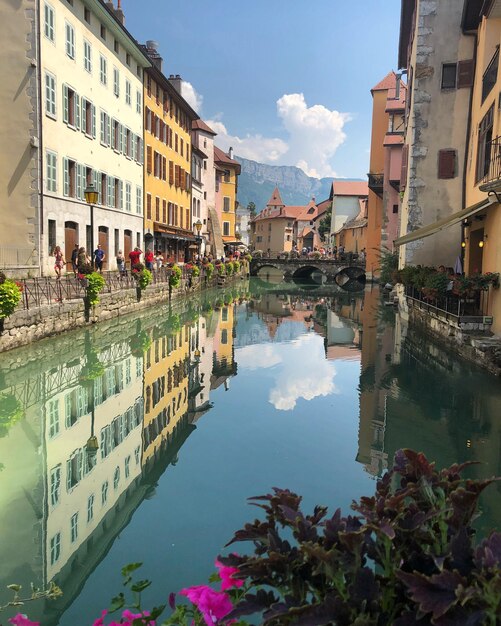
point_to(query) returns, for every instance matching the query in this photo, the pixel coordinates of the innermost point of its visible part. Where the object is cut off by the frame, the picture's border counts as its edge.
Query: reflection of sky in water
(300, 369)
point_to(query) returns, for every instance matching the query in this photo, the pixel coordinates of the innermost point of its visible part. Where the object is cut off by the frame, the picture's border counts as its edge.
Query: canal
(141, 438)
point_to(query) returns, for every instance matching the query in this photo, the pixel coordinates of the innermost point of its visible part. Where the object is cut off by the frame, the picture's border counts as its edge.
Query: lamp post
(91, 197)
(198, 226)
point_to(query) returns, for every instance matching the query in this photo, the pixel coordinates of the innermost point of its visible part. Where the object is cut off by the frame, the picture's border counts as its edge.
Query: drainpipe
(40, 137)
(467, 145)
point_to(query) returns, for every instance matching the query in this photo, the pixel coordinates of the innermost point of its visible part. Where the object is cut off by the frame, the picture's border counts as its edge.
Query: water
(198, 408)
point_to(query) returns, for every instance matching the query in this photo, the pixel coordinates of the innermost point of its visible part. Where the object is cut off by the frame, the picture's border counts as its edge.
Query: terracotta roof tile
(388, 82)
(221, 157)
(275, 199)
(350, 188)
(393, 140)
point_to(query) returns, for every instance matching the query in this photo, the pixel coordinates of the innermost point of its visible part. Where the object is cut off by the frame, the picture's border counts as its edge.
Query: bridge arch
(262, 270)
(309, 272)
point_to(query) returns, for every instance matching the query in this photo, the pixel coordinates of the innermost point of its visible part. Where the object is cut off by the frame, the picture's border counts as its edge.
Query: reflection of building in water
(223, 359)
(166, 375)
(296, 311)
(376, 345)
(202, 340)
(343, 329)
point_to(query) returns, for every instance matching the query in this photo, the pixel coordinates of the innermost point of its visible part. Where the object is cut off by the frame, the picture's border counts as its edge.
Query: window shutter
(120, 194)
(164, 169)
(181, 178)
(79, 191)
(77, 111)
(465, 73)
(111, 182)
(149, 159)
(65, 104)
(66, 178)
(108, 129)
(403, 171)
(103, 123)
(93, 121)
(121, 138)
(171, 173)
(113, 133)
(84, 116)
(133, 147)
(141, 151)
(446, 163)
(97, 185)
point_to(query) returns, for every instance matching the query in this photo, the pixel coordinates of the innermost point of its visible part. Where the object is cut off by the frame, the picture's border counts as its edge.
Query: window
(395, 208)
(53, 418)
(449, 72)
(103, 32)
(226, 204)
(103, 70)
(127, 59)
(116, 47)
(70, 178)
(87, 15)
(87, 56)
(139, 200)
(224, 336)
(127, 467)
(116, 478)
(74, 527)
(105, 129)
(226, 229)
(446, 163)
(55, 548)
(485, 144)
(71, 107)
(70, 40)
(139, 102)
(90, 508)
(51, 169)
(148, 206)
(157, 209)
(55, 485)
(128, 198)
(49, 23)
(50, 95)
(490, 76)
(116, 82)
(104, 493)
(88, 120)
(51, 235)
(128, 97)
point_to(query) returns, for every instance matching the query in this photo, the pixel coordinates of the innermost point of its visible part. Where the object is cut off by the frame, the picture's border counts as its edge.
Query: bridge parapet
(353, 270)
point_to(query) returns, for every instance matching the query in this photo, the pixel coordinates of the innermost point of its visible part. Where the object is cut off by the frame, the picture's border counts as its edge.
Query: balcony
(376, 183)
(489, 165)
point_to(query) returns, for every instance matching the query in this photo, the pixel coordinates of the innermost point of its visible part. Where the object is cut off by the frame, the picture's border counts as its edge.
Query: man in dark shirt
(99, 257)
(74, 259)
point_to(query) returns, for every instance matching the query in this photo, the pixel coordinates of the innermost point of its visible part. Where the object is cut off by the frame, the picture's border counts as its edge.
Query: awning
(450, 220)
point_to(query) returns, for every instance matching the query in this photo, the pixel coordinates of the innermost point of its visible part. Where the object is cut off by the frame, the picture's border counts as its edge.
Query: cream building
(92, 129)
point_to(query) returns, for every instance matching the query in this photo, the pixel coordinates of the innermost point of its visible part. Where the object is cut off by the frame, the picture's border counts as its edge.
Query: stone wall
(26, 326)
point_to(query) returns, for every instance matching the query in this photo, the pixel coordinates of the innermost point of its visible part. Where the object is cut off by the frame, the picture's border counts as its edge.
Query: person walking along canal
(99, 257)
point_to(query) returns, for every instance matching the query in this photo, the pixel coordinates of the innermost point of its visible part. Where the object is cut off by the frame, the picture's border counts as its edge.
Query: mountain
(257, 182)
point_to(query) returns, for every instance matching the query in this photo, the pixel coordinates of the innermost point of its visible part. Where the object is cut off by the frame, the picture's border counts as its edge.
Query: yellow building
(482, 229)
(166, 375)
(223, 358)
(167, 182)
(227, 172)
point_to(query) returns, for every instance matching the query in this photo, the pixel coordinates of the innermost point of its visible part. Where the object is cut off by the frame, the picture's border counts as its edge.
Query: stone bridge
(331, 271)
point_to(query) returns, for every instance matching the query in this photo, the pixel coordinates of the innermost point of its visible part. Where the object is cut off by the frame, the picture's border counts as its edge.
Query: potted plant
(10, 296)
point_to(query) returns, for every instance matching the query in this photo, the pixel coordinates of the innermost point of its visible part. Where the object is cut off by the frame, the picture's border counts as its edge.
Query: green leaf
(140, 585)
(117, 603)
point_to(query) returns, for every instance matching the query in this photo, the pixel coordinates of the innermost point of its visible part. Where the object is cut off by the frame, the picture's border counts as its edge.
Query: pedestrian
(159, 260)
(74, 259)
(59, 261)
(135, 256)
(148, 259)
(99, 257)
(83, 261)
(121, 263)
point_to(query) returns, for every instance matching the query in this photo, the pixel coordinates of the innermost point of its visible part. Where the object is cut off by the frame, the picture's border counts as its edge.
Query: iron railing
(492, 162)
(453, 306)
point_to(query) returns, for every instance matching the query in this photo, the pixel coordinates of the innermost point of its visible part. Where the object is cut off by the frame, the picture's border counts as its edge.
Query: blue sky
(285, 82)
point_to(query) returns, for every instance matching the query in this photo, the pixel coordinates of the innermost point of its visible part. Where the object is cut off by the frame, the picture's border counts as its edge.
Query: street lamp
(198, 226)
(91, 197)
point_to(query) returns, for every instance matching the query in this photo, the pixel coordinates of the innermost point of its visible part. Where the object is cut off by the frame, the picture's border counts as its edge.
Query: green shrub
(95, 284)
(175, 277)
(10, 296)
(11, 411)
(388, 264)
(144, 279)
(195, 271)
(221, 269)
(209, 270)
(236, 266)
(229, 268)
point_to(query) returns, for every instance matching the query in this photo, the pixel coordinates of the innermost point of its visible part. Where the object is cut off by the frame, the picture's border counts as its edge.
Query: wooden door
(103, 241)
(127, 246)
(70, 239)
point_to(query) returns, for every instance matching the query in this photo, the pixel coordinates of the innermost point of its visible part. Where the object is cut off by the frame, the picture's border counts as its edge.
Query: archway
(270, 274)
(309, 275)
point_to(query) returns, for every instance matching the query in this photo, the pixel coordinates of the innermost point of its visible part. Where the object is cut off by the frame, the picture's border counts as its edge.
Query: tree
(252, 208)
(325, 224)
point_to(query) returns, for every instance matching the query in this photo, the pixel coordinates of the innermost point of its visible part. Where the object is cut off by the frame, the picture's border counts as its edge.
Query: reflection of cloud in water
(259, 356)
(304, 372)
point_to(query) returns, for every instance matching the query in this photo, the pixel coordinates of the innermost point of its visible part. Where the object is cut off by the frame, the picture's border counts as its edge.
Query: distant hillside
(257, 182)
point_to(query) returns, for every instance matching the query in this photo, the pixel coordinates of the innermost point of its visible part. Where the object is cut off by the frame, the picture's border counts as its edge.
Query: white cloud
(258, 356)
(192, 97)
(255, 147)
(315, 133)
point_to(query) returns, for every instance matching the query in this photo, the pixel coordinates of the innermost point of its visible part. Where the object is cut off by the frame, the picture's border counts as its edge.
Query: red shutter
(176, 176)
(403, 171)
(465, 73)
(181, 178)
(171, 173)
(149, 159)
(148, 206)
(446, 163)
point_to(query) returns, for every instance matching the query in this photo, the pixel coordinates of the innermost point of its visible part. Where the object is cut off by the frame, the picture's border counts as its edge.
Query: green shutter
(77, 111)
(66, 178)
(84, 116)
(65, 104)
(79, 168)
(97, 183)
(108, 127)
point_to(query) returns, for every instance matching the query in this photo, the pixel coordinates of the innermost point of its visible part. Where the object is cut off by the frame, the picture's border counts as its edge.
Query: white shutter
(84, 116)
(65, 104)
(66, 178)
(93, 121)
(78, 111)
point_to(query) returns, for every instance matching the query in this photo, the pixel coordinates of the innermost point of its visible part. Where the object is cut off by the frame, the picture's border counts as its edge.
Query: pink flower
(22, 620)
(128, 618)
(214, 605)
(226, 574)
(100, 620)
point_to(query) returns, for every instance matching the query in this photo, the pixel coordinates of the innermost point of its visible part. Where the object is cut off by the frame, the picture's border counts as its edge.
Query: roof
(407, 9)
(197, 150)
(162, 80)
(305, 214)
(388, 82)
(201, 125)
(221, 157)
(275, 199)
(350, 188)
(286, 212)
(323, 206)
(392, 102)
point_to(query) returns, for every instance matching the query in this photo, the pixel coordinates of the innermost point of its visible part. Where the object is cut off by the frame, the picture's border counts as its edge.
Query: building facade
(272, 230)
(202, 137)
(92, 130)
(227, 172)
(167, 178)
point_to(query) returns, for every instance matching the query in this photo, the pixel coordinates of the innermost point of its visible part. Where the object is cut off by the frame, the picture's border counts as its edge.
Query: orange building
(167, 181)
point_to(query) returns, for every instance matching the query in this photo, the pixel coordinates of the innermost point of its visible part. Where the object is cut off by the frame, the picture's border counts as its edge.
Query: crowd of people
(337, 253)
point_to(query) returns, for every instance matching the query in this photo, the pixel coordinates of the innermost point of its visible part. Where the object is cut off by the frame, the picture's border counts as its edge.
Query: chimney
(152, 48)
(230, 153)
(177, 82)
(397, 86)
(119, 13)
